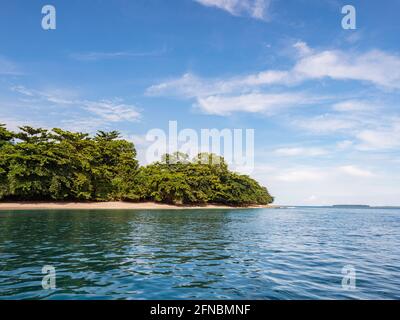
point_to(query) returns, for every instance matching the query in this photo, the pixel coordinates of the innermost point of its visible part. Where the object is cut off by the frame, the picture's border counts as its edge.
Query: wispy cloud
(114, 110)
(53, 95)
(190, 85)
(368, 123)
(356, 171)
(96, 56)
(266, 103)
(370, 131)
(257, 9)
(328, 123)
(301, 174)
(330, 183)
(355, 105)
(8, 67)
(380, 138)
(14, 122)
(375, 67)
(300, 151)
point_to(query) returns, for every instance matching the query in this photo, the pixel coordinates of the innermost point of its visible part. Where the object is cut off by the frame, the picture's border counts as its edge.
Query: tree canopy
(40, 164)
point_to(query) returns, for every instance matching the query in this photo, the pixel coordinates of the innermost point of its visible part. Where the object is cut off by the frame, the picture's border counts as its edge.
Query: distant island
(351, 206)
(63, 166)
(363, 206)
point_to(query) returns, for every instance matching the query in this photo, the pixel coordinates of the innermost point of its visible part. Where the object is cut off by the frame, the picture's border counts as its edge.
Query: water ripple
(200, 254)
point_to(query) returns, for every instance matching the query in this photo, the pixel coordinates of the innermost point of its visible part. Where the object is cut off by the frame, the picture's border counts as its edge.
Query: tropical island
(61, 166)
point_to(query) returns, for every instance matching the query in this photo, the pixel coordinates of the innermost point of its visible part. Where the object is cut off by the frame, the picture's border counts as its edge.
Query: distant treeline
(38, 164)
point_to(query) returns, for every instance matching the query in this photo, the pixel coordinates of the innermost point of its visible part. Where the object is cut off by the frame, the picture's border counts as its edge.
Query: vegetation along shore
(58, 166)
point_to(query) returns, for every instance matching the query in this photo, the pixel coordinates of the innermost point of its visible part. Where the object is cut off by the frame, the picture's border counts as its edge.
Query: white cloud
(254, 8)
(301, 175)
(327, 123)
(356, 171)
(335, 189)
(370, 131)
(354, 105)
(302, 48)
(112, 111)
(326, 184)
(364, 124)
(13, 123)
(380, 138)
(375, 67)
(8, 67)
(300, 151)
(252, 103)
(192, 86)
(106, 110)
(24, 91)
(187, 86)
(83, 124)
(96, 56)
(312, 199)
(345, 144)
(52, 95)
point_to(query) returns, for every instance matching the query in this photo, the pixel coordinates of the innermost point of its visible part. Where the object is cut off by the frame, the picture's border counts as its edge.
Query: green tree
(6, 147)
(38, 164)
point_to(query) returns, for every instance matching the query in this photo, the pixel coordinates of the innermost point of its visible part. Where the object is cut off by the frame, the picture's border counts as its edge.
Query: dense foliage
(37, 164)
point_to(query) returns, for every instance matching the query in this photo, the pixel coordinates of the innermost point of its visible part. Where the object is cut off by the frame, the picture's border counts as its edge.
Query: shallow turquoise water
(201, 254)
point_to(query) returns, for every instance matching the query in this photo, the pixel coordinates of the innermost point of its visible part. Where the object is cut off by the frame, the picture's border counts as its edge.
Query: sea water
(296, 253)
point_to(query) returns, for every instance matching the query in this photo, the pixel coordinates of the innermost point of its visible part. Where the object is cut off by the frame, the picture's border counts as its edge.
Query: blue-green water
(201, 254)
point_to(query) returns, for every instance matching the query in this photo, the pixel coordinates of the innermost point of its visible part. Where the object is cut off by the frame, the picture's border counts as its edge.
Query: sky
(323, 101)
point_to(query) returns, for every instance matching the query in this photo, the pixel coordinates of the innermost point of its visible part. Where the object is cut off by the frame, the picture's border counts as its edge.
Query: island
(351, 206)
(60, 167)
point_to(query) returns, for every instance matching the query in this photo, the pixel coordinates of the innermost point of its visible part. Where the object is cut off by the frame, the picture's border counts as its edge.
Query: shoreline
(112, 205)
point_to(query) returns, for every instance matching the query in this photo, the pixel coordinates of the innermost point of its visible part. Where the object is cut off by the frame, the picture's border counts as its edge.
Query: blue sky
(324, 101)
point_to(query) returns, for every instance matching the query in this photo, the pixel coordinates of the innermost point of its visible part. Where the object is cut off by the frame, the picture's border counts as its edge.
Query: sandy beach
(117, 205)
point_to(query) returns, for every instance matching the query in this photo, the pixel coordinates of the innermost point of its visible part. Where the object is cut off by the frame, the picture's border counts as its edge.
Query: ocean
(293, 253)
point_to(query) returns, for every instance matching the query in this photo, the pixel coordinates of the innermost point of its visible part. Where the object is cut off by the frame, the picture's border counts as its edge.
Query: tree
(204, 180)
(38, 164)
(5, 135)
(6, 138)
(175, 158)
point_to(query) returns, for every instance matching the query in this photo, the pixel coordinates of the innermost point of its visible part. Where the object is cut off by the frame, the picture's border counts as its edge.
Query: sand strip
(115, 205)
